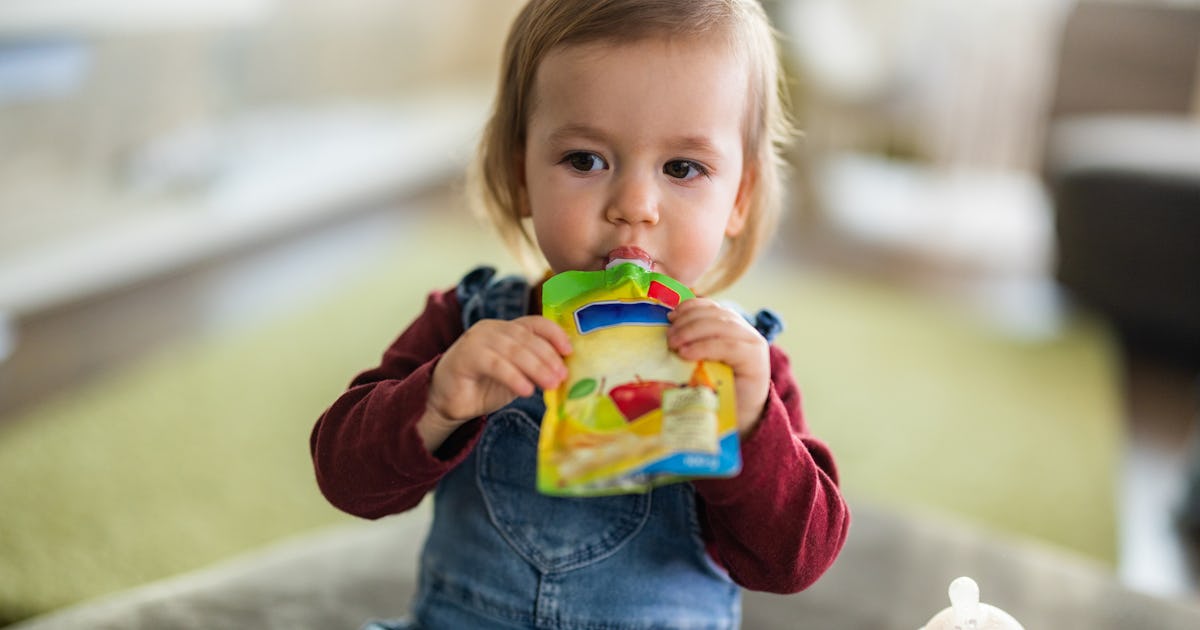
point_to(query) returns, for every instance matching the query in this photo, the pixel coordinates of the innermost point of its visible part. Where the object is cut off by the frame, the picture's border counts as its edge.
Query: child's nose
(635, 200)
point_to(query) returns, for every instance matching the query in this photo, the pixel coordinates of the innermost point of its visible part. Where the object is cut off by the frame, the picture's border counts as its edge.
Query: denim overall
(501, 555)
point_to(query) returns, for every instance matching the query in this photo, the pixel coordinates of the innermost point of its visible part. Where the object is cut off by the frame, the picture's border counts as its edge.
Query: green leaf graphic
(582, 388)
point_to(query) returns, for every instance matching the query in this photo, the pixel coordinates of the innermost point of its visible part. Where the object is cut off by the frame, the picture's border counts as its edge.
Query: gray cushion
(894, 573)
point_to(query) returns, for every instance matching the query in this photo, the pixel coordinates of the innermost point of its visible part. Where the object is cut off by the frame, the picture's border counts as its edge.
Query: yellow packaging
(631, 414)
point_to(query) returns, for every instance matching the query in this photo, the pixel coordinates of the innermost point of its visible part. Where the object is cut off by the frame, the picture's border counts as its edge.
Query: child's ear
(741, 204)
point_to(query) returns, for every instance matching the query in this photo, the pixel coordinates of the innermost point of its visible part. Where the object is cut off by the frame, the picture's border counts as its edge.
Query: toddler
(631, 129)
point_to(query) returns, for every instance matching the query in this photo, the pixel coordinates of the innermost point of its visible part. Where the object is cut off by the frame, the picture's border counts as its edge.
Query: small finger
(503, 371)
(699, 309)
(712, 349)
(539, 362)
(548, 330)
(689, 330)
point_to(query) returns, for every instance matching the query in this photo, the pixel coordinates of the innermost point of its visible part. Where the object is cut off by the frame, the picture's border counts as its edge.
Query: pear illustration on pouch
(585, 399)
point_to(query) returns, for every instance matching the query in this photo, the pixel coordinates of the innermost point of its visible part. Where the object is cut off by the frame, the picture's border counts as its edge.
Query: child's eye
(585, 162)
(683, 169)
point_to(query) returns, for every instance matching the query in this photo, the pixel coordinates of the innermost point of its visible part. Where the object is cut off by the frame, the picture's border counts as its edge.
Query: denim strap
(483, 296)
(767, 322)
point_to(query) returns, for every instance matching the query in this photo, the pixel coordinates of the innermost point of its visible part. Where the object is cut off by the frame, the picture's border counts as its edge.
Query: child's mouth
(629, 254)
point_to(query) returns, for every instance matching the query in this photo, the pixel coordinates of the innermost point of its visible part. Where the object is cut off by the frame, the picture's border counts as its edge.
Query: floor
(1161, 397)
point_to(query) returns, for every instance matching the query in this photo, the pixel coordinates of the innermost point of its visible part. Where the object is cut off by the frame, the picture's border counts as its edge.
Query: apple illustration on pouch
(637, 398)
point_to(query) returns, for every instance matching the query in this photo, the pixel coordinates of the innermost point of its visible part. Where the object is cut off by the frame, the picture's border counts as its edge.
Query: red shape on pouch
(638, 398)
(663, 293)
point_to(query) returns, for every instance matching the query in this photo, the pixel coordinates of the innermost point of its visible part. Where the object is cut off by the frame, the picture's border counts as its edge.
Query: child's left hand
(701, 329)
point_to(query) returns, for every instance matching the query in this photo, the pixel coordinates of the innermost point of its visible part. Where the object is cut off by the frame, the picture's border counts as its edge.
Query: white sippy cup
(967, 613)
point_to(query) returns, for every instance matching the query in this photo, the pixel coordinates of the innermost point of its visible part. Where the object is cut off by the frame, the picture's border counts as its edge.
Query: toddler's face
(635, 150)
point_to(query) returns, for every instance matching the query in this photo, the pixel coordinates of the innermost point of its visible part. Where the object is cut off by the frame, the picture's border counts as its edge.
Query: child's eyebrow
(577, 131)
(688, 143)
(694, 144)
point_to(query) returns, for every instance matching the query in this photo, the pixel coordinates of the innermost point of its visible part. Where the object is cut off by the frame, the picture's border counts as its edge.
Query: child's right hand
(492, 363)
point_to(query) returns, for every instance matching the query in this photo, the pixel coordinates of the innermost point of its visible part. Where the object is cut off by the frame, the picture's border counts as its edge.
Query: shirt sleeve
(368, 458)
(780, 523)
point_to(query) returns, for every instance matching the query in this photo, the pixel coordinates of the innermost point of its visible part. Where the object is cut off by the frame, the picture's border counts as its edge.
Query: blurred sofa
(1122, 165)
(892, 575)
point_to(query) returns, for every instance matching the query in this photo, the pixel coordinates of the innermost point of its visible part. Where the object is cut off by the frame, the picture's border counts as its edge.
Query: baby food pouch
(631, 413)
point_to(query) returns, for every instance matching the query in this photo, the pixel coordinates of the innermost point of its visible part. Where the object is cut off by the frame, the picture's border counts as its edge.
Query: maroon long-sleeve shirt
(776, 526)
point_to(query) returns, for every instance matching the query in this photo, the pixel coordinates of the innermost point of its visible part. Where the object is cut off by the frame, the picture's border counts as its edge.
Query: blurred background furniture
(1025, 159)
(1123, 169)
(892, 575)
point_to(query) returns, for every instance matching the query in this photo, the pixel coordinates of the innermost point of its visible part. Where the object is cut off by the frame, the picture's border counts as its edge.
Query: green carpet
(200, 451)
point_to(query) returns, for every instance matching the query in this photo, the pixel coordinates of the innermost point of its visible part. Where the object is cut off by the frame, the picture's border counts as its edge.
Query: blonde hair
(543, 25)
